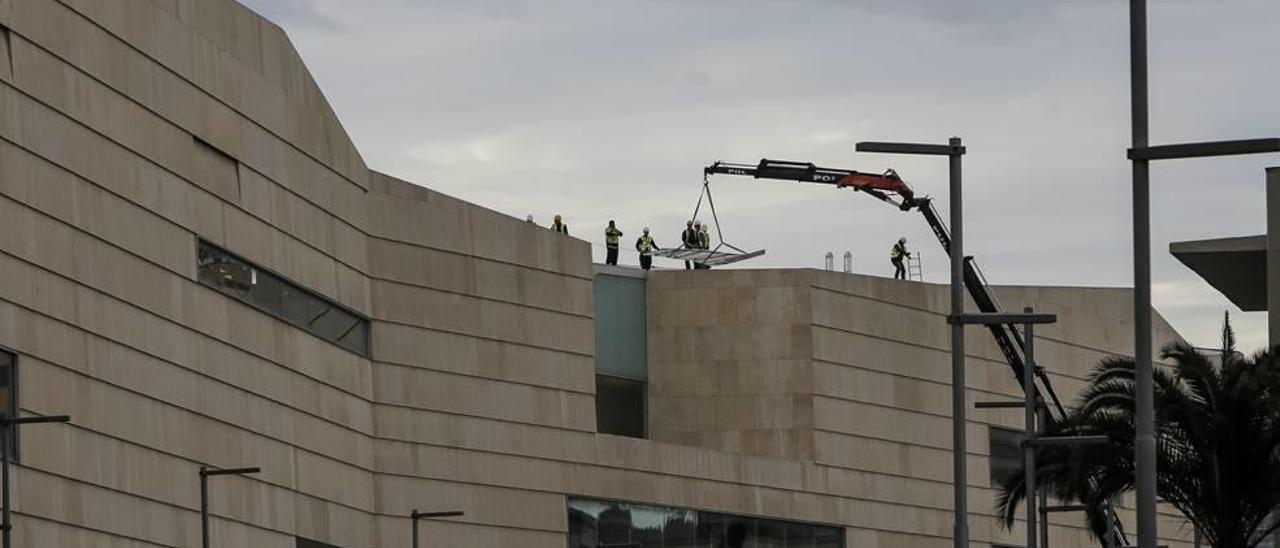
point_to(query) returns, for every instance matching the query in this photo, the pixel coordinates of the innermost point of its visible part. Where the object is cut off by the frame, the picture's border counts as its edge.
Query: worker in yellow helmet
(646, 246)
(896, 256)
(611, 237)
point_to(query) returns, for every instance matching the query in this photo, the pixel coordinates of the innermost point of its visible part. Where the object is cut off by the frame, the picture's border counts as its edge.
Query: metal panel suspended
(723, 253)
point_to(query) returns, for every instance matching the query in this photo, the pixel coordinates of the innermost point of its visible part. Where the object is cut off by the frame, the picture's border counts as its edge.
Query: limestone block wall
(852, 373)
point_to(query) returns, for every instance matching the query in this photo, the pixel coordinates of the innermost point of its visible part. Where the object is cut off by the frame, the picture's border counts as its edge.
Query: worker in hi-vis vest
(611, 237)
(646, 246)
(704, 242)
(896, 257)
(559, 226)
(689, 238)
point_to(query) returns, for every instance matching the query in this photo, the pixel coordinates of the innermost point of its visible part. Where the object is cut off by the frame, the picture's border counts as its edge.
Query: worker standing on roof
(896, 256)
(611, 237)
(559, 226)
(646, 246)
(689, 239)
(704, 242)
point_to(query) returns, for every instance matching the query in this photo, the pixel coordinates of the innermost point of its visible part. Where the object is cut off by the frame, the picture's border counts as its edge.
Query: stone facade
(131, 129)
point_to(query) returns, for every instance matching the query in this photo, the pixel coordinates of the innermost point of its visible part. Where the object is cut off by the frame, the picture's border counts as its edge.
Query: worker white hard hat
(646, 230)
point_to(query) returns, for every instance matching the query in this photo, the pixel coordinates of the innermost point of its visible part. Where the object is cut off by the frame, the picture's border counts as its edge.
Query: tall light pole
(415, 515)
(1141, 154)
(205, 473)
(7, 424)
(954, 150)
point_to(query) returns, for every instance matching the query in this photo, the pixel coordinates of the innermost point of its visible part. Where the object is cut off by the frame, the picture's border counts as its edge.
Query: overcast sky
(609, 110)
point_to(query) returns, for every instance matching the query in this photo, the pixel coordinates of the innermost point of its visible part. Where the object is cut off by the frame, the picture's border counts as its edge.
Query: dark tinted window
(281, 298)
(600, 524)
(620, 406)
(308, 543)
(9, 396)
(1006, 453)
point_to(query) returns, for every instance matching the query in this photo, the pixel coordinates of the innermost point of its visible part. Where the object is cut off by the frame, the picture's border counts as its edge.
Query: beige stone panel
(275, 204)
(275, 159)
(123, 68)
(735, 277)
(92, 157)
(880, 319)
(395, 531)
(507, 239)
(731, 377)
(442, 351)
(449, 271)
(213, 169)
(301, 264)
(483, 504)
(327, 479)
(531, 287)
(58, 297)
(873, 421)
(878, 388)
(227, 77)
(61, 249)
(441, 223)
(97, 106)
(437, 391)
(255, 507)
(413, 425)
(896, 458)
(34, 531)
(491, 319)
(60, 194)
(761, 342)
(147, 422)
(907, 359)
(732, 306)
(542, 475)
(321, 520)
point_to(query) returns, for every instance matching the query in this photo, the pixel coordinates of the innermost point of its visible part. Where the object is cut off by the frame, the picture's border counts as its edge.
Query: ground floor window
(613, 524)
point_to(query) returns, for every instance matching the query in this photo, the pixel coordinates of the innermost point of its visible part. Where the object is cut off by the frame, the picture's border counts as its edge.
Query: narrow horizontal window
(275, 295)
(609, 524)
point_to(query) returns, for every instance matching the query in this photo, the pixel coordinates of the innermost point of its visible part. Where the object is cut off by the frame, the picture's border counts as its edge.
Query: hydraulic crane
(890, 188)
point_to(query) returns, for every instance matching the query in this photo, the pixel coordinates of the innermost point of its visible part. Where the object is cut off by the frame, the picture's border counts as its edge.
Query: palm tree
(1217, 443)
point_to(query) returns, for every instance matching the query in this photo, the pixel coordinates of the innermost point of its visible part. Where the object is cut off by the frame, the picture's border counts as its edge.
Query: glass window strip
(597, 523)
(276, 295)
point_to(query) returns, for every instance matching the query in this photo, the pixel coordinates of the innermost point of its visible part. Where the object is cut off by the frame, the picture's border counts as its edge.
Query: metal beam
(1063, 508)
(999, 318)
(1208, 148)
(999, 405)
(910, 148)
(1068, 440)
(34, 420)
(229, 471)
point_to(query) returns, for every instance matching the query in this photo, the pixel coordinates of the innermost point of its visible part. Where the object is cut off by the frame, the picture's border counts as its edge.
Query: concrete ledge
(1235, 266)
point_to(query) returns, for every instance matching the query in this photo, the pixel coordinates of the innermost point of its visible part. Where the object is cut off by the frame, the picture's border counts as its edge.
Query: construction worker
(689, 239)
(646, 246)
(559, 226)
(896, 257)
(704, 242)
(611, 237)
(529, 219)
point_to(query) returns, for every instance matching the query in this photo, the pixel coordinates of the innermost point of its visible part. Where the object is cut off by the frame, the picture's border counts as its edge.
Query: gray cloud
(602, 110)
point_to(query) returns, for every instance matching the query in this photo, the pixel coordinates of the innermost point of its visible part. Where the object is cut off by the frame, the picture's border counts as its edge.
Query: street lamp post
(1141, 154)
(415, 515)
(6, 424)
(954, 150)
(205, 473)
